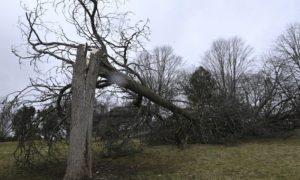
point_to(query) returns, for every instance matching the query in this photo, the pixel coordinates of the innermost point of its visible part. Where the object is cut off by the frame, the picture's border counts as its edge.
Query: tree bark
(83, 97)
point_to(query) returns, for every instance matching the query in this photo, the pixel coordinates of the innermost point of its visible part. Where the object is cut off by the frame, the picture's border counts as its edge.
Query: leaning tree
(94, 44)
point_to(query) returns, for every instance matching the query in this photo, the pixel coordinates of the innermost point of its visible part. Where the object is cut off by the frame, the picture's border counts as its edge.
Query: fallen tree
(97, 59)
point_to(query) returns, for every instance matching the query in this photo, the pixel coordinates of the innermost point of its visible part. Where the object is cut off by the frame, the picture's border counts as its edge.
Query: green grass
(259, 159)
(41, 171)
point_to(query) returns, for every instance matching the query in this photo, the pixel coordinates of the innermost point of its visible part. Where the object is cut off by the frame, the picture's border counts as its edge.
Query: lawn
(259, 159)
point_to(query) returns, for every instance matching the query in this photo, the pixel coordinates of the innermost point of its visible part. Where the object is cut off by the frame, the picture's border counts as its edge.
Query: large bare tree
(95, 44)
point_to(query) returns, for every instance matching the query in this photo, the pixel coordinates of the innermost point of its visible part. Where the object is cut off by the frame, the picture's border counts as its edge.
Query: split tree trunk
(83, 97)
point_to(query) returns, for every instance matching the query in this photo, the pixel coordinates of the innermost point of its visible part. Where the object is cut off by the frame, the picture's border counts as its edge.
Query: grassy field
(259, 159)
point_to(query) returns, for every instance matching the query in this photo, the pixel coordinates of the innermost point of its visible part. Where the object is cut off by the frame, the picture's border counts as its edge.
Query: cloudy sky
(188, 26)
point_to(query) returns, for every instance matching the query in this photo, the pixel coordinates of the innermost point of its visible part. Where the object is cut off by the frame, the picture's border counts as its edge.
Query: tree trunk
(122, 80)
(83, 97)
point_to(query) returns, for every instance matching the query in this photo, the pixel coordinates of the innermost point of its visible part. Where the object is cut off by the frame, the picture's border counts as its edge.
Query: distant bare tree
(286, 58)
(160, 71)
(257, 89)
(228, 60)
(275, 91)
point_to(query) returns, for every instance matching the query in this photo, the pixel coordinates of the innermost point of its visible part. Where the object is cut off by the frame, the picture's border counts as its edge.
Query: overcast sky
(189, 26)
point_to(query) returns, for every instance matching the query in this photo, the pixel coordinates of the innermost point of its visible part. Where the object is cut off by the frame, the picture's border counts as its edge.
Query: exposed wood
(83, 98)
